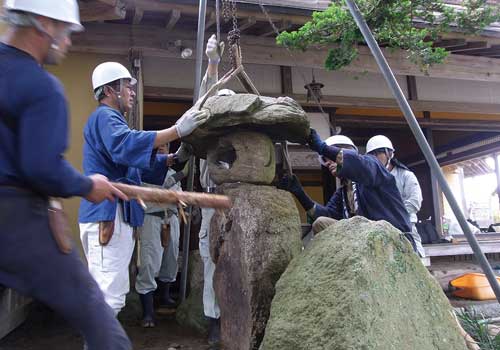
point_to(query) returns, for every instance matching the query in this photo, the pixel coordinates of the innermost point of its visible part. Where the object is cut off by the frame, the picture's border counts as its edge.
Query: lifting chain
(234, 35)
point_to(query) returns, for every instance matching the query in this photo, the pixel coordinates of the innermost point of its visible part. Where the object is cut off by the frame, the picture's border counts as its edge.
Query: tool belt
(58, 221)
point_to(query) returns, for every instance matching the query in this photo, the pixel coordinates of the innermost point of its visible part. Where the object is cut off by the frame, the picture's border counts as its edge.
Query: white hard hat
(108, 72)
(60, 10)
(226, 92)
(379, 141)
(338, 140)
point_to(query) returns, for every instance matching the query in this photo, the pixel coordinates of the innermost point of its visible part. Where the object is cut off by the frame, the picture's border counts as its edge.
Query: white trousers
(154, 260)
(109, 265)
(210, 305)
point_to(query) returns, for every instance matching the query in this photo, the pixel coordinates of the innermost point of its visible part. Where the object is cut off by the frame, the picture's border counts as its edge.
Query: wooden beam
(191, 10)
(354, 102)
(411, 82)
(485, 51)
(469, 46)
(96, 10)
(286, 80)
(138, 14)
(264, 51)
(435, 124)
(247, 23)
(450, 43)
(464, 248)
(175, 15)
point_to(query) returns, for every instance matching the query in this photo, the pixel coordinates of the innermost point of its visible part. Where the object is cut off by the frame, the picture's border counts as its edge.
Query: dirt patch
(45, 330)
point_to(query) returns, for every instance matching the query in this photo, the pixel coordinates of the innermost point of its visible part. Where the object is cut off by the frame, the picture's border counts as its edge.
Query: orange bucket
(473, 286)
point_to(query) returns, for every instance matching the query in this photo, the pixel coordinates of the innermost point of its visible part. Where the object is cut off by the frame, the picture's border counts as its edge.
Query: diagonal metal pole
(422, 142)
(190, 181)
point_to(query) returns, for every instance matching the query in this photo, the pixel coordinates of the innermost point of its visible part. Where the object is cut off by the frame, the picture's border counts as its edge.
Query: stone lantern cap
(282, 119)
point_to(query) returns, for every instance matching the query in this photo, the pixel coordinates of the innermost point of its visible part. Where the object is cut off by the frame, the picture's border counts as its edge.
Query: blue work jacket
(112, 149)
(377, 195)
(34, 129)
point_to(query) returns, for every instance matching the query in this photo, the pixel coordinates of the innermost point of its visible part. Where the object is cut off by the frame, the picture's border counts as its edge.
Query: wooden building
(457, 103)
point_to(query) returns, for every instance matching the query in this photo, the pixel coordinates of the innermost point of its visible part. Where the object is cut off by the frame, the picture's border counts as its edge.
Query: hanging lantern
(314, 90)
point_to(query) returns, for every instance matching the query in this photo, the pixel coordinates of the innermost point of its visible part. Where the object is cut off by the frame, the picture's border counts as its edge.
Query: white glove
(212, 50)
(190, 121)
(169, 182)
(184, 152)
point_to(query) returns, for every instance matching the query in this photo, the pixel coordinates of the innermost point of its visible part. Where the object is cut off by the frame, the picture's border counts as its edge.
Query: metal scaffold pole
(422, 142)
(190, 182)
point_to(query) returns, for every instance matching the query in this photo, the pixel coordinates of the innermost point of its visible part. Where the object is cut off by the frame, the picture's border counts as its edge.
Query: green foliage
(477, 327)
(410, 25)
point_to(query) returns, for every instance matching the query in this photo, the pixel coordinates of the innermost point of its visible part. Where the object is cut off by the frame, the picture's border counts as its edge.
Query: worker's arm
(366, 170)
(184, 126)
(175, 178)
(124, 146)
(212, 74)
(333, 209)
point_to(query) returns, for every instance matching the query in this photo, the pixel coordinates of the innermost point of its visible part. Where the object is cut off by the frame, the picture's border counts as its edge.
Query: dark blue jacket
(34, 129)
(378, 197)
(112, 149)
(336, 207)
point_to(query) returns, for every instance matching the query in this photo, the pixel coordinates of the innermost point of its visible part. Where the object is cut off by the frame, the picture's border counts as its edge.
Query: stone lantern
(253, 242)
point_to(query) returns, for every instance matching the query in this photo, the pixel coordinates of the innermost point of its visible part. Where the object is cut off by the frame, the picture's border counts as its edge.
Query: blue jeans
(31, 263)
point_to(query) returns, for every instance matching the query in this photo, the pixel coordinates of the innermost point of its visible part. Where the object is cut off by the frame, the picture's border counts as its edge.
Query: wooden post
(436, 191)
(497, 173)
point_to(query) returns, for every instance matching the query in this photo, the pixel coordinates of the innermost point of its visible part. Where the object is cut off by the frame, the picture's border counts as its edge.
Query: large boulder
(280, 118)
(251, 244)
(359, 286)
(242, 157)
(190, 312)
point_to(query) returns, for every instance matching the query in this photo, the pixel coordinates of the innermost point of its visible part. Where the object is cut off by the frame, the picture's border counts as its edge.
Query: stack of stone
(253, 242)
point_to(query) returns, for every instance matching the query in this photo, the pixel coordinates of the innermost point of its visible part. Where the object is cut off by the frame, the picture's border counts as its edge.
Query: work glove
(315, 142)
(212, 51)
(318, 145)
(190, 121)
(292, 184)
(184, 152)
(175, 178)
(169, 182)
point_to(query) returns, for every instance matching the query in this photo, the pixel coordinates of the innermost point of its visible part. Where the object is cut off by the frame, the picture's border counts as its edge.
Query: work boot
(165, 297)
(214, 332)
(148, 312)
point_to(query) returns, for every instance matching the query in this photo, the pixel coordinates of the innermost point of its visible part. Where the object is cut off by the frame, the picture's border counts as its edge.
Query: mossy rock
(360, 286)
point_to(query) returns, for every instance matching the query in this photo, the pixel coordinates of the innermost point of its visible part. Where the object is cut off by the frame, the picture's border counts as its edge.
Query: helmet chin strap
(121, 105)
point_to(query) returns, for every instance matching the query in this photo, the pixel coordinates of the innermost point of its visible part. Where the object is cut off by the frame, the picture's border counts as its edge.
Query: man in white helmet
(112, 149)
(210, 304)
(342, 205)
(33, 139)
(378, 197)
(158, 254)
(406, 181)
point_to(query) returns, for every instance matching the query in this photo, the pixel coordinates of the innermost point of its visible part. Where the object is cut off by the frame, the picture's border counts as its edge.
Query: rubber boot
(165, 297)
(148, 312)
(214, 333)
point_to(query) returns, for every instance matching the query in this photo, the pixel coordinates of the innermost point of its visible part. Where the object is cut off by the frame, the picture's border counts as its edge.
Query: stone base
(251, 244)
